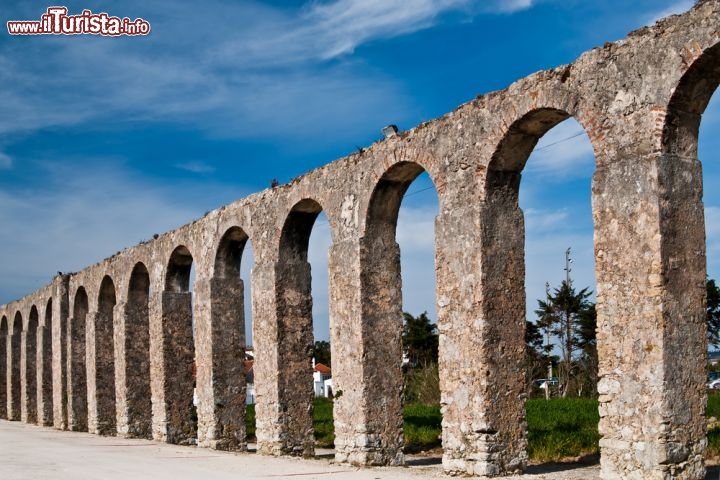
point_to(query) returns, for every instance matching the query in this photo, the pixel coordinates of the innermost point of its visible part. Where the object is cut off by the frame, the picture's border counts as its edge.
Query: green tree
(420, 340)
(571, 318)
(535, 356)
(321, 352)
(713, 312)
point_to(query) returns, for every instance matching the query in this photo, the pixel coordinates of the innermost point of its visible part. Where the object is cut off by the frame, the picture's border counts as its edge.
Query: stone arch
(376, 395)
(177, 275)
(45, 370)
(521, 137)
(4, 384)
(229, 253)
(14, 370)
(295, 327)
(101, 362)
(490, 303)
(220, 369)
(681, 335)
(132, 344)
(77, 364)
(29, 367)
(178, 352)
(688, 102)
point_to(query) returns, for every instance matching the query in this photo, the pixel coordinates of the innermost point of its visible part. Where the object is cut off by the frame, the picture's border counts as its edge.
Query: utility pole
(547, 340)
(568, 261)
(568, 323)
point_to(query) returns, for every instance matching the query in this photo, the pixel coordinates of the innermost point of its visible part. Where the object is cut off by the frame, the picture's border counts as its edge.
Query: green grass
(422, 427)
(250, 422)
(557, 429)
(713, 410)
(562, 427)
(323, 423)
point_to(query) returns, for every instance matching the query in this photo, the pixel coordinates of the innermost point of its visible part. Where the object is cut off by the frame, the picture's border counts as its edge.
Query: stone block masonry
(113, 349)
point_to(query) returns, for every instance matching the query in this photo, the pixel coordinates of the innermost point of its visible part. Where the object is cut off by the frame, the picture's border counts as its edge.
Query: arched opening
(690, 144)
(179, 350)
(415, 235)
(4, 342)
(102, 366)
(222, 381)
(383, 321)
(29, 393)
(497, 351)
(321, 375)
(294, 341)
(45, 372)
(77, 372)
(133, 384)
(14, 383)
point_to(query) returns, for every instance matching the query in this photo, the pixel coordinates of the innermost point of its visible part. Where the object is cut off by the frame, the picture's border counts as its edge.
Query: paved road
(29, 452)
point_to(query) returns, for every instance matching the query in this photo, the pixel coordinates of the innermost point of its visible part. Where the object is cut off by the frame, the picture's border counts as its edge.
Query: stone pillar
(481, 323)
(3, 375)
(60, 308)
(172, 357)
(28, 374)
(220, 341)
(44, 377)
(77, 393)
(366, 312)
(100, 373)
(13, 375)
(650, 267)
(132, 370)
(283, 367)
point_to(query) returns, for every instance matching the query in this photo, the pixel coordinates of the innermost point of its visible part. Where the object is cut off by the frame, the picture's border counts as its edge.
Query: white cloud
(82, 215)
(229, 78)
(510, 6)
(326, 30)
(196, 167)
(540, 220)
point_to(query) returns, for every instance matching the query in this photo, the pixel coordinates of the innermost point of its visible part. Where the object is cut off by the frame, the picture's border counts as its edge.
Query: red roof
(322, 368)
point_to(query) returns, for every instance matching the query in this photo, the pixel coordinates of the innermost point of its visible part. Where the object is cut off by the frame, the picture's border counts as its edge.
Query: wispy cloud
(81, 214)
(510, 6)
(541, 220)
(326, 30)
(196, 167)
(269, 72)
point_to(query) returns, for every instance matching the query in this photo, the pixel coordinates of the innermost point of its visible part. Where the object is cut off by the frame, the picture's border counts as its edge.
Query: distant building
(714, 357)
(322, 380)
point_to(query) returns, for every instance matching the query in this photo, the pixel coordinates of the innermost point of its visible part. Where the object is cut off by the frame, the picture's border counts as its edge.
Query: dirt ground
(29, 452)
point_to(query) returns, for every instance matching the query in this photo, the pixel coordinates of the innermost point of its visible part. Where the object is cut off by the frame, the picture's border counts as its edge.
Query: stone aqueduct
(110, 349)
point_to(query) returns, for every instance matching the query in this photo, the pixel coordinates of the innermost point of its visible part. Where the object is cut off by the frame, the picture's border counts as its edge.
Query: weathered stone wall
(131, 339)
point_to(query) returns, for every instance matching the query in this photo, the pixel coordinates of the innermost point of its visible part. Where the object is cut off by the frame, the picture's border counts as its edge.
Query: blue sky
(106, 141)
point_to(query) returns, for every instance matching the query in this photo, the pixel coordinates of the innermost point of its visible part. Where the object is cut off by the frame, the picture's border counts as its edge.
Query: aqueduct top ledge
(627, 82)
